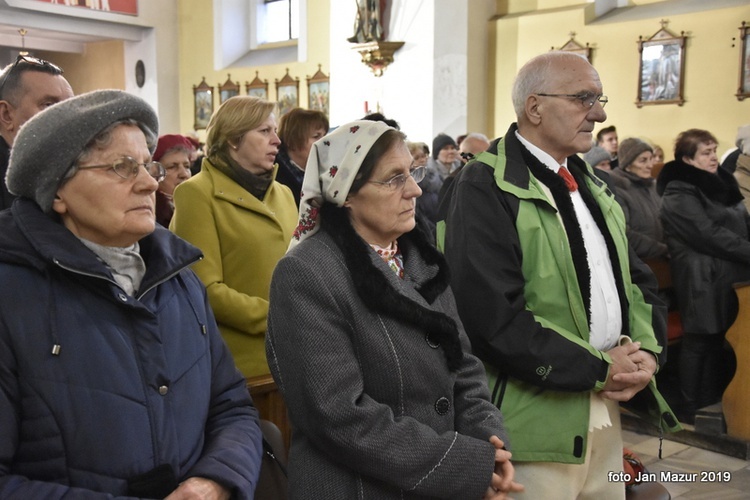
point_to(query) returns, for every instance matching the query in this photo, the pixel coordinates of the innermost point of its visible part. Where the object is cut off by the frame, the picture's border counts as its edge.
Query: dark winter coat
(706, 227)
(289, 174)
(6, 199)
(641, 203)
(98, 387)
(385, 400)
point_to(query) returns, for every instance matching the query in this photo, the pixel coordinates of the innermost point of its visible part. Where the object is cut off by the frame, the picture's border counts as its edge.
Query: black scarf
(378, 294)
(720, 187)
(257, 185)
(564, 203)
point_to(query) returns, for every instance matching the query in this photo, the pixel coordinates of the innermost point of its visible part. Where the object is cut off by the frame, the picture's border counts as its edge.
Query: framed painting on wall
(257, 88)
(573, 46)
(743, 90)
(203, 95)
(662, 68)
(318, 91)
(287, 93)
(228, 89)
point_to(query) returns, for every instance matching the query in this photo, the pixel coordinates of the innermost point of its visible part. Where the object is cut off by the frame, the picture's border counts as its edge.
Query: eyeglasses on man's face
(32, 61)
(587, 99)
(398, 182)
(128, 168)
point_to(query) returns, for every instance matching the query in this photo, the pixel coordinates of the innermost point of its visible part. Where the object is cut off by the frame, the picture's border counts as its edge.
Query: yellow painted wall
(711, 69)
(196, 56)
(101, 66)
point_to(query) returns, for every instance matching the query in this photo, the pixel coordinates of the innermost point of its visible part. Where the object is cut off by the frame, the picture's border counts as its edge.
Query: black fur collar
(380, 296)
(564, 203)
(721, 187)
(560, 193)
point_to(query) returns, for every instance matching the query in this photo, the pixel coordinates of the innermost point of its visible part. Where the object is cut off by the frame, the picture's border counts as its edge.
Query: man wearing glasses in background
(27, 86)
(565, 321)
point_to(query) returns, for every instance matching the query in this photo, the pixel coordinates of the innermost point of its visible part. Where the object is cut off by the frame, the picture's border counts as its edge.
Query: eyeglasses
(33, 61)
(587, 99)
(128, 168)
(399, 181)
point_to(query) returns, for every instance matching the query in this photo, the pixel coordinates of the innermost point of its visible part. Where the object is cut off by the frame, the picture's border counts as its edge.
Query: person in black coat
(706, 227)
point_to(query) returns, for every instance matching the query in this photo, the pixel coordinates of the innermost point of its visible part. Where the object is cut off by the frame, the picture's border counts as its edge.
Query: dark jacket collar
(720, 187)
(518, 173)
(376, 290)
(29, 237)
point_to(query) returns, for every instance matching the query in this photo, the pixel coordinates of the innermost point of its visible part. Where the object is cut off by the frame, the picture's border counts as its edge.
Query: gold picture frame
(743, 88)
(203, 100)
(573, 46)
(661, 73)
(287, 93)
(318, 91)
(257, 88)
(228, 89)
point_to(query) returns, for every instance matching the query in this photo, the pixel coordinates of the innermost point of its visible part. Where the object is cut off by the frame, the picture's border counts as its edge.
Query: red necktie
(568, 178)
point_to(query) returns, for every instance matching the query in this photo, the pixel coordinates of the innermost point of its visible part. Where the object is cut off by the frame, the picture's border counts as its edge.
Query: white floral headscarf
(331, 168)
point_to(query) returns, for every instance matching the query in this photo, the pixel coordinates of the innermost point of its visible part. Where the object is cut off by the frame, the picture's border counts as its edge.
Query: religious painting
(287, 93)
(204, 104)
(317, 91)
(573, 46)
(257, 88)
(114, 6)
(228, 89)
(662, 67)
(743, 89)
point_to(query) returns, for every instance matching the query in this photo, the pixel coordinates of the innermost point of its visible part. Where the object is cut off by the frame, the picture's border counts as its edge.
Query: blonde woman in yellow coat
(242, 220)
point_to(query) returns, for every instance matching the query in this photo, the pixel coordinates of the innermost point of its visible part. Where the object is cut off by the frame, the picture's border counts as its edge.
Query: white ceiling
(44, 39)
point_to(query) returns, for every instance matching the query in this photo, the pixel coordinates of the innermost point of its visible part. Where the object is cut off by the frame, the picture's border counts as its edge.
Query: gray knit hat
(629, 150)
(49, 143)
(596, 155)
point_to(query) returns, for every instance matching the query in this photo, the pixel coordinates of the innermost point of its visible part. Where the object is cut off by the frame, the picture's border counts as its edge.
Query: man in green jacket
(563, 315)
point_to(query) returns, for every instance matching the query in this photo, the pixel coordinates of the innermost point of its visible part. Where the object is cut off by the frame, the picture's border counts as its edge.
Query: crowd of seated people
(384, 393)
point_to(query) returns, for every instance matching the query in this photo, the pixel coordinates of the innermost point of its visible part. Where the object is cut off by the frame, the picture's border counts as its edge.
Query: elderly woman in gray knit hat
(636, 190)
(114, 380)
(365, 344)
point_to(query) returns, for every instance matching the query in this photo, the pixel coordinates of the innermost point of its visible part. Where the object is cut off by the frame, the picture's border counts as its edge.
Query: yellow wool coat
(242, 239)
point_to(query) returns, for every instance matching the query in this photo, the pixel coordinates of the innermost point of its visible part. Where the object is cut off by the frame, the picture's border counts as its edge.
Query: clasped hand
(502, 478)
(631, 371)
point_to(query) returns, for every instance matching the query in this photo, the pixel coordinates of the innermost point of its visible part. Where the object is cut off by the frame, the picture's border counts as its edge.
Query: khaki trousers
(589, 480)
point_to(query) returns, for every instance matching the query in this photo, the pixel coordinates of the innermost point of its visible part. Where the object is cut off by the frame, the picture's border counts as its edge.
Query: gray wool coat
(376, 412)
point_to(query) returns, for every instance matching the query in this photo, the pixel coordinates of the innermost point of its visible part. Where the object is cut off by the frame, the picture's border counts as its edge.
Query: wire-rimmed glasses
(587, 99)
(399, 181)
(128, 168)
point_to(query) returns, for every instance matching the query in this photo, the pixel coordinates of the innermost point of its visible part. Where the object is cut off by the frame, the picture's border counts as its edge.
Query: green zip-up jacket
(519, 297)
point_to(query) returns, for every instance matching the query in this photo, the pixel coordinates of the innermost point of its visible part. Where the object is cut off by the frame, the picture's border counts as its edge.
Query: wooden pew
(736, 399)
(660, 268)
(270, 404)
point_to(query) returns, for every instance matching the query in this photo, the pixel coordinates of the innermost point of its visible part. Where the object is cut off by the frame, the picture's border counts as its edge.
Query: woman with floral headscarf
(365, 344)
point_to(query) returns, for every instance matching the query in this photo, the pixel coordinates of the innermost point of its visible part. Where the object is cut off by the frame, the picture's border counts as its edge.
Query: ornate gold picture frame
(318, 91)
(743, 89)
(662, 68)
(257, 88)
(228, 89)
(287, 93)
(573, 46)
(203, 98)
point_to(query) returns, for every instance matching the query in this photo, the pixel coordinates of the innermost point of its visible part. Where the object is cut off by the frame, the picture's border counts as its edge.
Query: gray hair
(534, 77)
(103, 139)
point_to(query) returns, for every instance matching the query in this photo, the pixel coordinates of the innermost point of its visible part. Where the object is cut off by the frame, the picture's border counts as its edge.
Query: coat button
(163, 390)
(431, 342)
(442, 406)
(123, 297)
